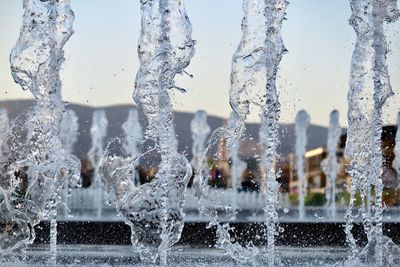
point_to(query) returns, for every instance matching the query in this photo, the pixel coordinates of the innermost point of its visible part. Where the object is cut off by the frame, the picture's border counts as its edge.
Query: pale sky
(102, 62)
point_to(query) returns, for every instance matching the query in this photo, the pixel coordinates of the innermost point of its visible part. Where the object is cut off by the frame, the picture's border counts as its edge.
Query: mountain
(117, 115)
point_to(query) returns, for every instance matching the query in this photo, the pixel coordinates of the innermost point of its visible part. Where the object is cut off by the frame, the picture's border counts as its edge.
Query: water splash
(275, 13)
(133, 138)
(249, 72)
(200, 131)
(369, 89)
(302, 122)
(248, 69)
(98, 133)
(154, 210)
(253, 82)
(69, 128)
(165, 50)
(237, 166)
(396, 161)
(330, 165)
(69, 135)
(4, 131)
(37, 163)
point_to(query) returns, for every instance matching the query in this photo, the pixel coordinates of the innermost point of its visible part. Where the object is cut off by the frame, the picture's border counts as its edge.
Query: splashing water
(98, 133)
(248, 70)
(253, 82)
(69, 135)
(133, 138)
(330, 165)
(396, 161)
(302, 122)
(249, 73)
(200, 130)
(38, 163)
(165, 49)
(6, 225)
(275, 13)
(369, 89)
(154, 210)
(4, 131)
(237, 166)
(69, 130)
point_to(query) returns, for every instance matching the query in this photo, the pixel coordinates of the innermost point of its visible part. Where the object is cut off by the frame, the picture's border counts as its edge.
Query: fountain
(237, 166)
(68, 135)
(200, 130)
(133, 137)
(253, 82)
(4, 131)
(154, 210)
(69, 130)
(302, 122)
(369, 89)
(37, 165)
(330, 165)
(98, 132)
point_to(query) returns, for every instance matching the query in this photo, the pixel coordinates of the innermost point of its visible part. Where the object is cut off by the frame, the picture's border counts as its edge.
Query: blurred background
(101, 60)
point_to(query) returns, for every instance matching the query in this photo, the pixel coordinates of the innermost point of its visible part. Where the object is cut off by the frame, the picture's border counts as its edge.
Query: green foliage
(294, 199)
(315, 199)
(357, 202)
(390, 197)
(311, 199)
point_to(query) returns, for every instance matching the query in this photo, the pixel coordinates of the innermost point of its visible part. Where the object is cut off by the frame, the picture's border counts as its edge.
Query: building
(317, 179)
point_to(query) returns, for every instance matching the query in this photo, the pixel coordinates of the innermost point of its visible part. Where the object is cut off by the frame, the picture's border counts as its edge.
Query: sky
(101, 58)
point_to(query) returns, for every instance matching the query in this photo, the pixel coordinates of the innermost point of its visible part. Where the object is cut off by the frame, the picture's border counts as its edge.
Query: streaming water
(37, 163)
(330, 165)
(369, 89)
(155, 209)
(98, 133)
(133, 133)
(69, 128)
(275, 15)
(69, 135)
(200, 131)
(302, 122)
(4, 131)
(396, 161)
(253, 82)
(35, 151)
(237, 166)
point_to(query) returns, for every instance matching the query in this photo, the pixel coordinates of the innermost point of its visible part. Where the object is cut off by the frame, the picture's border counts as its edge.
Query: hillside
(117, 115)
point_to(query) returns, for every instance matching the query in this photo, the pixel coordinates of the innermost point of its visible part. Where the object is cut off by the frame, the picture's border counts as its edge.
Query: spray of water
(330, 165)
(248, 70)
(98, 133)
(237, 166)
(69, 135)
(275, 15)
(133, 138)
(253, 82)
(4, 131)
(38, 163)
(302, 122)
(165, 50)
(369, 89)
(200, 131)
(69, 130)
(155, 210)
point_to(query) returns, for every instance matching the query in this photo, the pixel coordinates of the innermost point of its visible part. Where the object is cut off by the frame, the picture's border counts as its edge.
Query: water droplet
(285, 210)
